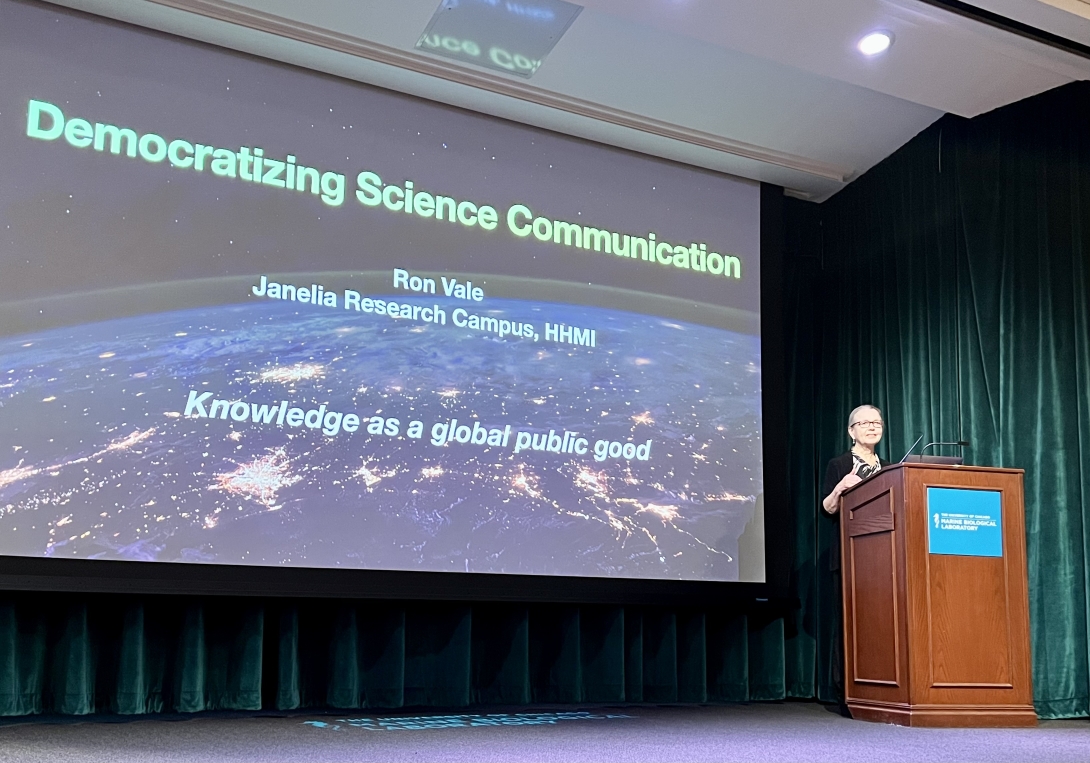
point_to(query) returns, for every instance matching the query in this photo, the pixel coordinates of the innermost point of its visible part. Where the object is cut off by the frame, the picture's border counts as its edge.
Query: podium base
(944, 716)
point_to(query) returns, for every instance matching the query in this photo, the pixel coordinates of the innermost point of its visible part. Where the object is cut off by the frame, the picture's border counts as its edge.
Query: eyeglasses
(875, 424)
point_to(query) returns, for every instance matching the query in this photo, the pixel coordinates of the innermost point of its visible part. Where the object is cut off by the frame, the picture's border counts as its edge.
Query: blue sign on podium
(964, 522)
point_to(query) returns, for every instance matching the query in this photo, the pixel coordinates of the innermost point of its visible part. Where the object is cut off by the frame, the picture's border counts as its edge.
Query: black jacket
(838, 469)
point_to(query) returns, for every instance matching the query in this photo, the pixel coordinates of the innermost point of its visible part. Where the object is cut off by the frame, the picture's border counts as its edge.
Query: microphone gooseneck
(958, 443)
(909, 453)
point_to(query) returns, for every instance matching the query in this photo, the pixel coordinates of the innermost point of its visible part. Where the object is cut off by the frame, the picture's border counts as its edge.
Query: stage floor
(758, 732)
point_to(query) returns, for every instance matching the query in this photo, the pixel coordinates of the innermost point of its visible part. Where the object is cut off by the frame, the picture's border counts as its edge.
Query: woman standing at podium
(865, 428)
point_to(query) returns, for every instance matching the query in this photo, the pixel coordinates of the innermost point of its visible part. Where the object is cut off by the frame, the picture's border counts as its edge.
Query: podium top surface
(960, 468)
(950, 467)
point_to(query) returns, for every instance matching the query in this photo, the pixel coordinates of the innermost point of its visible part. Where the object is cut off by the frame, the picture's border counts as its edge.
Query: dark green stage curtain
(949, 286)
(109, 654)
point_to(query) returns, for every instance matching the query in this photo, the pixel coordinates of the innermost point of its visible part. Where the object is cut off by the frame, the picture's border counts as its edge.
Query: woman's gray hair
(857, 409)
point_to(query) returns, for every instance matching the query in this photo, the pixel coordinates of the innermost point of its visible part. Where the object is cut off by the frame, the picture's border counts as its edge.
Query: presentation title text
(47, 122)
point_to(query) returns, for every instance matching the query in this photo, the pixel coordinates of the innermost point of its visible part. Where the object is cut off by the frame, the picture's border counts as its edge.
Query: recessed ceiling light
(875, 43)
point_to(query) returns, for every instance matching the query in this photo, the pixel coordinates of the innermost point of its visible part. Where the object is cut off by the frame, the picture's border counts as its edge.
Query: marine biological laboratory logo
(936, 521)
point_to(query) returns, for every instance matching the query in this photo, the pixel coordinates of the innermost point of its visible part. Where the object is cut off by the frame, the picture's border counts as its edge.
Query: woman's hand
(832, 502)
(850, 480)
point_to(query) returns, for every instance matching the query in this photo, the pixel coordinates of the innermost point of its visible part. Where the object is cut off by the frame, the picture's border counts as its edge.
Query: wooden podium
(936, 611)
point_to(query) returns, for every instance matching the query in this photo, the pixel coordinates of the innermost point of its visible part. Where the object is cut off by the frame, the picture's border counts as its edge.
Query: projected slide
(255, 315)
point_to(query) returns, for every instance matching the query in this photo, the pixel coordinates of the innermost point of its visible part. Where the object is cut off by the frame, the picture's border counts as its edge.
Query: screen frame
(19, 573)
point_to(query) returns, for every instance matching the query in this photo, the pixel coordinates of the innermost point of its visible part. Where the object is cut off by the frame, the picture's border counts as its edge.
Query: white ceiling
(772, 90)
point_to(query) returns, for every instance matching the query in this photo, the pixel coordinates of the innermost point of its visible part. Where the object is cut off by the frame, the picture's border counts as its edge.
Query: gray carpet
(759, 732)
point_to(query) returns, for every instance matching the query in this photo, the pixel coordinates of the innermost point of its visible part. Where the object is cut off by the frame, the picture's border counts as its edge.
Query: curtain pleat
(73, 662)
(22, 659)
(728, 657)
(601, 654)
(555, 654)
(500, 656)
(438, 655)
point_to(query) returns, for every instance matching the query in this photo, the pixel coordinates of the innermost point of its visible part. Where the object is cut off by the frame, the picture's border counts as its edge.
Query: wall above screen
(771, 91)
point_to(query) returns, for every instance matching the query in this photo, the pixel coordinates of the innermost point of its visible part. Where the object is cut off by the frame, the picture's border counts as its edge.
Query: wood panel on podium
(936, 606)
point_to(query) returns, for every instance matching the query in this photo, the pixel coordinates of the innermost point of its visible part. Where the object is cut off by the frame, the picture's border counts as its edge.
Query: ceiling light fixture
(875, 43)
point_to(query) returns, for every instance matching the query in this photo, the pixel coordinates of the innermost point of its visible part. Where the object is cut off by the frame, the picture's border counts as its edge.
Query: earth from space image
(100, 461)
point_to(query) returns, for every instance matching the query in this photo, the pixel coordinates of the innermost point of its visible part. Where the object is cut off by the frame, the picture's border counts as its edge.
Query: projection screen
(256, 315)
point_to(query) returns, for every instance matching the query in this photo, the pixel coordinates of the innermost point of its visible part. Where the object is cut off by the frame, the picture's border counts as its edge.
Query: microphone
(959, 443)
(918, 439)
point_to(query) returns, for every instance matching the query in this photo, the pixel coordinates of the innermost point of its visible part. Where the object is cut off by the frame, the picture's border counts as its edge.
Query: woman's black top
(839, 468)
